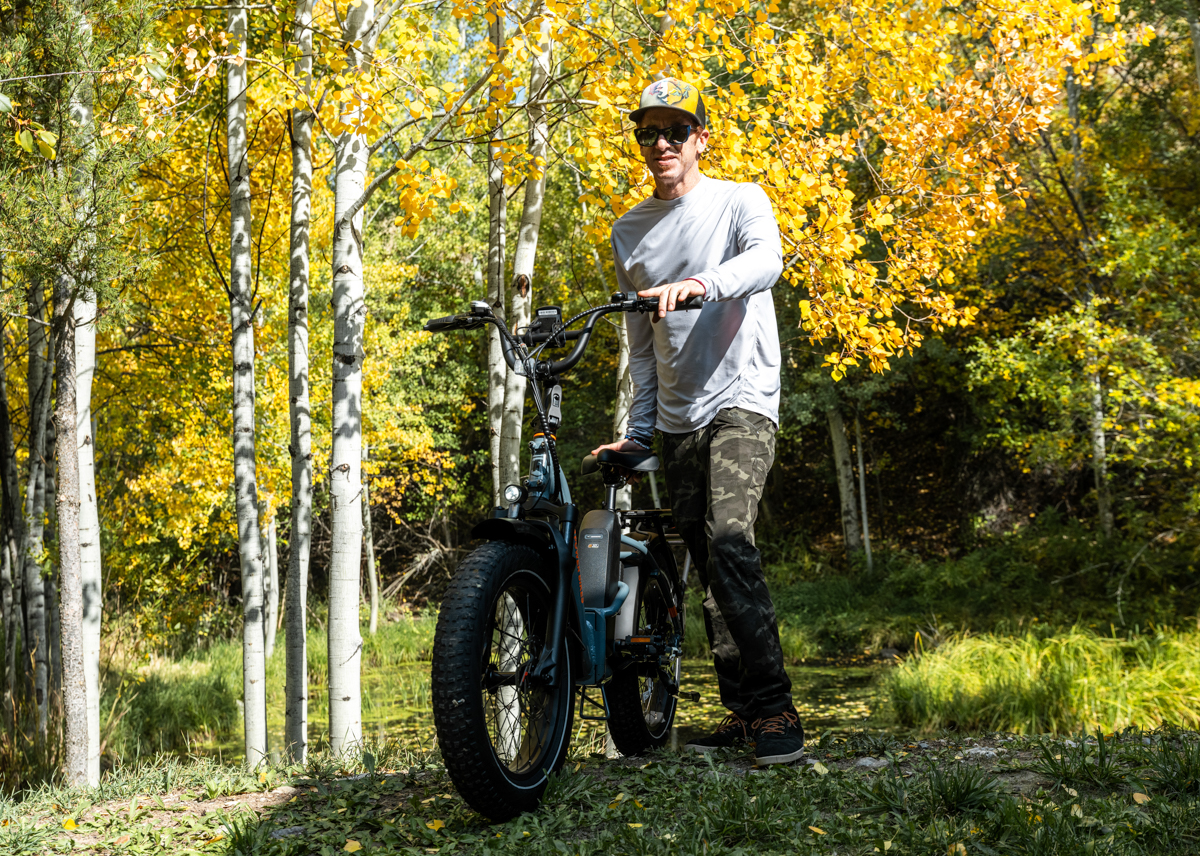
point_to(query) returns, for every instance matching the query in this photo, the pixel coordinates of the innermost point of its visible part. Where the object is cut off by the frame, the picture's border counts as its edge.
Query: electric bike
(559, 613)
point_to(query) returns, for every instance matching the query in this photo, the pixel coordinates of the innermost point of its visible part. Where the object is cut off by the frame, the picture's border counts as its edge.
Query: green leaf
(47, 152)
(155, 71)
(47, 137)
(24, 140)
(5, 103)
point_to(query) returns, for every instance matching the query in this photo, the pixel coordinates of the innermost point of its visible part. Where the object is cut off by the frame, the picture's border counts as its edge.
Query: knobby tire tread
(457, 705)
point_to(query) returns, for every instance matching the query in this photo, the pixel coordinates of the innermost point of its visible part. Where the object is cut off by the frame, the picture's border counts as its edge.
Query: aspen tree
(271, 588)
(36, 642)
(13, 537)
(74, 683)
(295, 728)
(526, 251)
(89, 522)
(851, 528)
(241, 312)
(497, 213)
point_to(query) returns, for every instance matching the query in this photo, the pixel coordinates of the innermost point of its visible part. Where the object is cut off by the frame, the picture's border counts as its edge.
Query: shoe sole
(769, 760)
(703, 750)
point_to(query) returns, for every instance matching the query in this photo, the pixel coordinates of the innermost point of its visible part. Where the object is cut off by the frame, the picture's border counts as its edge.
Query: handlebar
(482, 314)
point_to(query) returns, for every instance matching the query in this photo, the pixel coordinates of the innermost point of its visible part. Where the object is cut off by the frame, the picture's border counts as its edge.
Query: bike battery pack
(599, 558)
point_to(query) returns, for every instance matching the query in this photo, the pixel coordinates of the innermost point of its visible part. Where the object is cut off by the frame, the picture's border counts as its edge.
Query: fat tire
(626, 721)
(459, 713)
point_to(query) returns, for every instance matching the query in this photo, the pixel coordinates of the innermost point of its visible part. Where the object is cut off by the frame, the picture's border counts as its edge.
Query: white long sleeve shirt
(693, 363)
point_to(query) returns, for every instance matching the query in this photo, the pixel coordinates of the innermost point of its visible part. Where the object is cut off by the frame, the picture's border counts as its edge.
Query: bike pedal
(687, 695)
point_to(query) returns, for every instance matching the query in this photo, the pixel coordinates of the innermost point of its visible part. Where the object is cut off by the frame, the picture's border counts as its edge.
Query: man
(708, 381)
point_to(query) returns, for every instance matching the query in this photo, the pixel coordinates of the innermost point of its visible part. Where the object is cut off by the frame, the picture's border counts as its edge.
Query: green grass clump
(1057, 683)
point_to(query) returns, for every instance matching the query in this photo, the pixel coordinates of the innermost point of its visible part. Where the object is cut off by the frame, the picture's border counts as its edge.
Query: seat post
(610, 497)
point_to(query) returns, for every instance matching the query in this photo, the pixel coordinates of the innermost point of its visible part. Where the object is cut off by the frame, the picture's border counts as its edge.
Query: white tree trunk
(35, 497)
(345, 477)
(369, 541)
(526, 253)
(845, 479)
(624, 400)
(295, 726)
(862, 492)
(1100, 457)
(10, 567)
(89, 522)
(497, 211)
(272, 588)
(241, 312)
(74, 681)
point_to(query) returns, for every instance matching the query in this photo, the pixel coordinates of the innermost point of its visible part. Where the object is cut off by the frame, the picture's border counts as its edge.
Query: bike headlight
(514, 493)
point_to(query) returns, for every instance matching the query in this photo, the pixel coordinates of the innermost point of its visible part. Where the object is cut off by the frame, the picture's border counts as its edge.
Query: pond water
(396, 706)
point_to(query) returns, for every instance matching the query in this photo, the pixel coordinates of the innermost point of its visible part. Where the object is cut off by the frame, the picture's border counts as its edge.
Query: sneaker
(778, 739)
(733, 731)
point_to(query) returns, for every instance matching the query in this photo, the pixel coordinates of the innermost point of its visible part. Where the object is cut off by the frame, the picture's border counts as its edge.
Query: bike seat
(639, 462)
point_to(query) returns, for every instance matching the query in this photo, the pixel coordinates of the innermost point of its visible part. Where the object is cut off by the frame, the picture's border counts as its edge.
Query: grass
(1058, 683)
(190, 704)
(927, 800)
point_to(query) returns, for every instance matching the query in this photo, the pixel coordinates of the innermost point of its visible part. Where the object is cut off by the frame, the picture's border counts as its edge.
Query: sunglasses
(676, 135)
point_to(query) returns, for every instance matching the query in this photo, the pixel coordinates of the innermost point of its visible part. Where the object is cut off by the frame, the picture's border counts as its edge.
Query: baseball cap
(674, 94)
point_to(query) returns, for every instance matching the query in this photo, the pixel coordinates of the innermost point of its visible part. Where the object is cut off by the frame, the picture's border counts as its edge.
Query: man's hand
(624, 446)
(671, 293)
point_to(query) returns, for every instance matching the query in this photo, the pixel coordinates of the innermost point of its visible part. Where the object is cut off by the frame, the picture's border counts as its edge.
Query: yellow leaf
(352, 846)
(635, 826)
(1141, 799)
(1076, 811)
(69, 823)
(817, 830)
(819, 768)
(435, 825)
(214, 839)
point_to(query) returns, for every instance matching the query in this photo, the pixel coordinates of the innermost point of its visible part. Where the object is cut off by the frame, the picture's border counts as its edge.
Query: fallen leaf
(435, 825)
(446, 796)
(214, 839)
(69, 823)
(635, 826)
(820, 769)
(1141, 799)
(124, 839)
(817, 830)
(957, 849)
(1076, 811)
(1072, 791)
(352, 846)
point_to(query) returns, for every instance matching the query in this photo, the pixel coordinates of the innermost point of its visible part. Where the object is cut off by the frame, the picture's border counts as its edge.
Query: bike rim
(521, 716)
(653, 620)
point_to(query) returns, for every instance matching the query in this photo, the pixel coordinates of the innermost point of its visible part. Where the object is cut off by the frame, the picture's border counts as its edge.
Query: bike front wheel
(501, 733)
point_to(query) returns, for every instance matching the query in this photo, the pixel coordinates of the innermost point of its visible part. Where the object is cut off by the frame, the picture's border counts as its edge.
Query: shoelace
(731, 722)
(776, 724)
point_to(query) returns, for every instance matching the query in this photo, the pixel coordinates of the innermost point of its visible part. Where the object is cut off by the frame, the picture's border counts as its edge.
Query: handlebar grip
(455, 322)
(437, 325)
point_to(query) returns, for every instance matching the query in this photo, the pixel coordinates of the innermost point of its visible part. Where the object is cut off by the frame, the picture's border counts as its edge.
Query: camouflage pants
(716, 477)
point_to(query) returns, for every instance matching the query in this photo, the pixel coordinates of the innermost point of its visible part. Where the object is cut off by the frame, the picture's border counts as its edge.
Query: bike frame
(545, 494)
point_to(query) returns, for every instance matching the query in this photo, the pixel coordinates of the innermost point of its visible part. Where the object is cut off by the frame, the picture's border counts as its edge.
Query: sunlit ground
(396, 706)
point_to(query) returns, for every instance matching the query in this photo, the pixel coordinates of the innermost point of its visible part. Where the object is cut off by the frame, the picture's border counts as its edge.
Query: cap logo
(670, 91)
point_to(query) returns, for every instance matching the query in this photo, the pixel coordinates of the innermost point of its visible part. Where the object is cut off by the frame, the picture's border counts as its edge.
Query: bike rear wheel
(639, 698)
(501, 733)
